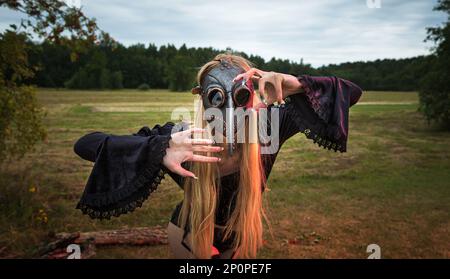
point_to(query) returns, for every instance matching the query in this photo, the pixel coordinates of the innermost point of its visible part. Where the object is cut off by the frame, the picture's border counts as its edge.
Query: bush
(143, 87)
(435, 96)
(21, 121)
(19, 200)
(21, 124)
(435, 86)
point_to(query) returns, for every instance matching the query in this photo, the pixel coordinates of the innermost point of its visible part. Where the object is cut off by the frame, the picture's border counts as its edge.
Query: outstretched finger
(204, 159)
(186, 135)
(278, 89)
(256, 78)
(183, 172)
(261, 88)
(195, 130)
(246, 76)
(253, 74)
(206, 148)
(239, 77)
(182, 136)
(200, 141)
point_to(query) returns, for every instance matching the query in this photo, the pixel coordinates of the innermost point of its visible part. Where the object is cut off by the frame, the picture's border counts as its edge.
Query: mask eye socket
(241, 96)
(216, 97)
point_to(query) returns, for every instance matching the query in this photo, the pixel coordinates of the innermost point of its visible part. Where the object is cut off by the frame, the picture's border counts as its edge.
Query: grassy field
(391, 188)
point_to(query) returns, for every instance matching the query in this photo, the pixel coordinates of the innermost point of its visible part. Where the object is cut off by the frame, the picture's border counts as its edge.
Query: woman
(221, 214)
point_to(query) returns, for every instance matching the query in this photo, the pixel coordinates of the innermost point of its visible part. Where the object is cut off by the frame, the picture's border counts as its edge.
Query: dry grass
(391, 188)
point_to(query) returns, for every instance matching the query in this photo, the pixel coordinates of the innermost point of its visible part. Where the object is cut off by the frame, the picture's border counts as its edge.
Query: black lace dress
(127, 169)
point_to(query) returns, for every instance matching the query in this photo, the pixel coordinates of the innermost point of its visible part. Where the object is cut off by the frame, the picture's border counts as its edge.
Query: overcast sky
(321, 32)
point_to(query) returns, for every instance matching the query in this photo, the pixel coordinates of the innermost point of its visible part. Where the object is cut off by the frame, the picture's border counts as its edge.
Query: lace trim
(319, 133)
(127, 199)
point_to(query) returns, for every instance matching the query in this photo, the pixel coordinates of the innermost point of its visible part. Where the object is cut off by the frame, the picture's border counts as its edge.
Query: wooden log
(87, 251)
(57, 249)
(60, 242)
(135, 236)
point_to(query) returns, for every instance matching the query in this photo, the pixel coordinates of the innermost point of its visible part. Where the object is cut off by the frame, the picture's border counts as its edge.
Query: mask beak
(230, 123)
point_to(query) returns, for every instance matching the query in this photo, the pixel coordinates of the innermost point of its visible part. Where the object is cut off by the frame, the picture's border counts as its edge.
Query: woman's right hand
(182, 147)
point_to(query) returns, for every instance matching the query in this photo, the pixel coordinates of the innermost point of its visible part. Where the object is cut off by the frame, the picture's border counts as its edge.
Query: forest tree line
(75, 53)
(149, 66)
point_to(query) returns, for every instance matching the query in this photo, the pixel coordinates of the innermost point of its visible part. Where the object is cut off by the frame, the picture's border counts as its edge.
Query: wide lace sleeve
(321, 112)
(127, 169)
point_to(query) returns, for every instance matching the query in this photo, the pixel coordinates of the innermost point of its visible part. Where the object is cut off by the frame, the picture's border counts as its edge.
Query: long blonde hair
(245, 225)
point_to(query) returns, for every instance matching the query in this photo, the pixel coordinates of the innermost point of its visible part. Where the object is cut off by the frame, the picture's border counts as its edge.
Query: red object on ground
(214, 251)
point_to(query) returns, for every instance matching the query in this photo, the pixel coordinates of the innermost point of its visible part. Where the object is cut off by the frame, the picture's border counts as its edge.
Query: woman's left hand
(272, 85)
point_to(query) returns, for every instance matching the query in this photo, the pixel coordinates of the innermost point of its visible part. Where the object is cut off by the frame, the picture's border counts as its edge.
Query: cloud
(320, 32)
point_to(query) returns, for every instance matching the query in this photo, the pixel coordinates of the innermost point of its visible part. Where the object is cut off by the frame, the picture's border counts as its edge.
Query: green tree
(21, 117)
(435, 91)
(180, 73)
(20, 120)
(104, 80)
(117, 80)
